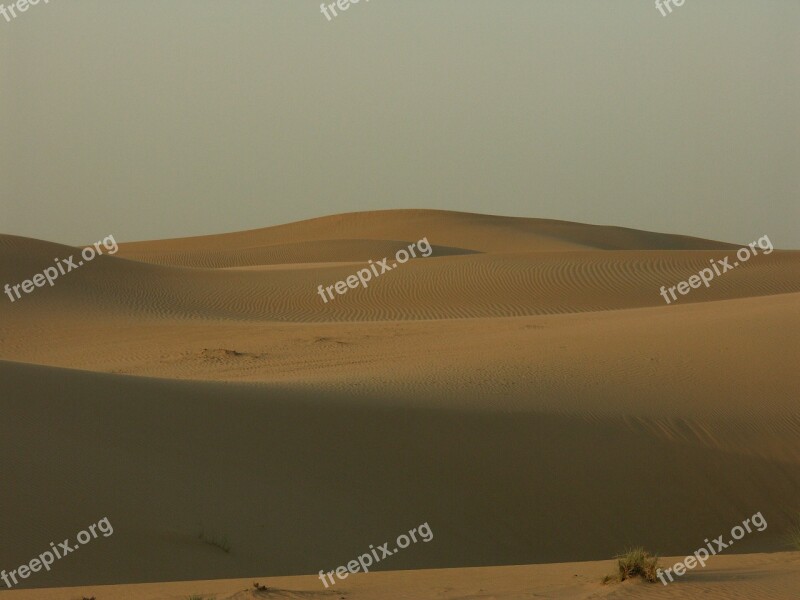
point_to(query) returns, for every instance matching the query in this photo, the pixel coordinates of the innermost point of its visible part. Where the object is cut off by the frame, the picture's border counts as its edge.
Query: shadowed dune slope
(319, 252)
(296, 482)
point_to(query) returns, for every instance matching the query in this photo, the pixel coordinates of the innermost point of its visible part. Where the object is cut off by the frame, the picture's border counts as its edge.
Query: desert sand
(773, 576)
(525, 390)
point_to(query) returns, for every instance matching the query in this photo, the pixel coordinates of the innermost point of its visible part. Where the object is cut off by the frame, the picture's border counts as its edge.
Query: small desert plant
(636, 562)
(196, 597)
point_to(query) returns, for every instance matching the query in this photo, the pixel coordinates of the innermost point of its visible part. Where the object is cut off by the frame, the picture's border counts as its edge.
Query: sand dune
(484, 233)
(525, 390)
(438, 287)
(300, 481)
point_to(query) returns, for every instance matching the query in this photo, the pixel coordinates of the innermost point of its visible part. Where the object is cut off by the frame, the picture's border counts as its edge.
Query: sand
(525, 390)
(773, 576)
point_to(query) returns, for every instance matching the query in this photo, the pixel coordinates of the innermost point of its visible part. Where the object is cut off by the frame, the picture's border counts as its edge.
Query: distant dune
(482, 233)
(525, 390)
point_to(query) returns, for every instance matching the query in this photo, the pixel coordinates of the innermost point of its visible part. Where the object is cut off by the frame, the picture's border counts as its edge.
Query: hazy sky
(150, 119)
